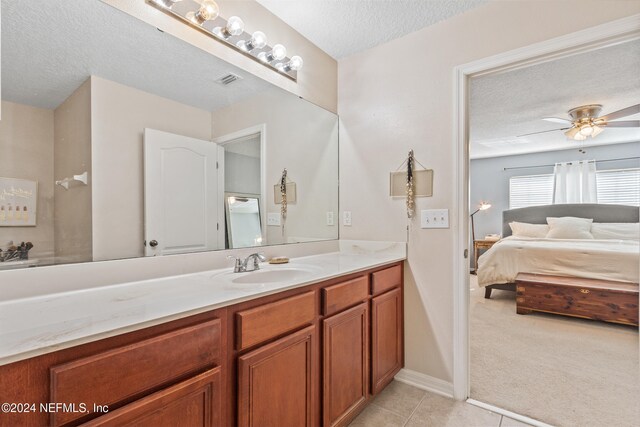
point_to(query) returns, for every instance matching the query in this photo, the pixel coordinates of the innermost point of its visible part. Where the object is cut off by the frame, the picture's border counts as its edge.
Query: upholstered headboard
(599, 213)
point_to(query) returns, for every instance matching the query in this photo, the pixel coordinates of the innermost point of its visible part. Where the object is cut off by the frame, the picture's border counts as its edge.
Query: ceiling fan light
(586, 130)
(571, 133)
(579, 137)
(597, 130)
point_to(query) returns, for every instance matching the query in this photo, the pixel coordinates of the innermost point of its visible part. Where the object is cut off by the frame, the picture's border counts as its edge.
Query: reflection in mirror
(160, 139)
(244, 228)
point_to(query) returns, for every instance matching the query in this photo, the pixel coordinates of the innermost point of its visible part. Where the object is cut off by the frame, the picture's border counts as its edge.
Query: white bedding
(617, 260)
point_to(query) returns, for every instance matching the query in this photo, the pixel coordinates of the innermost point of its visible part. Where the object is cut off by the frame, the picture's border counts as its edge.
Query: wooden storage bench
(604, 300)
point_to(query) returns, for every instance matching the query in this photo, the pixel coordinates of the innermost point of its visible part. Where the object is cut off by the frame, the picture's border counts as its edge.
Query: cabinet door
(192, 403)
(276, 383)
(386, 338)
(346, 367)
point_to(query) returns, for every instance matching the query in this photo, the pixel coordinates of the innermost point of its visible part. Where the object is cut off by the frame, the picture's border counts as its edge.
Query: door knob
(153, 243)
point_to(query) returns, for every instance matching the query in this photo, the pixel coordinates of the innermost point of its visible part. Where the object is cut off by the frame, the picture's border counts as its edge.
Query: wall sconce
(204, 16)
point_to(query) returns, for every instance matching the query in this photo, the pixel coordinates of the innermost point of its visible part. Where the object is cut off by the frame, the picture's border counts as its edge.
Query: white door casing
(182, 196)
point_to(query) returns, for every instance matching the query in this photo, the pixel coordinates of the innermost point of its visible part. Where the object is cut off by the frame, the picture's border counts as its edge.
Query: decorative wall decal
(18, 202)
(411, 183)
(410, 197)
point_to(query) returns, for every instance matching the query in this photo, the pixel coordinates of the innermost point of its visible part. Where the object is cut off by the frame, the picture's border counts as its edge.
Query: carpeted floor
(560, 370)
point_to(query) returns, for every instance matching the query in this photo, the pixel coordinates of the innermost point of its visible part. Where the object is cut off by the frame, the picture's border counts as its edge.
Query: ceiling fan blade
(634, 109)
(542, 131)
(625, 124)
(556, 120)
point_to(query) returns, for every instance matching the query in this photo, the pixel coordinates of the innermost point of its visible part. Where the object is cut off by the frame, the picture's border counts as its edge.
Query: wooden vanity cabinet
(308, 356)
(194, 403)
(345, 365)
(278, 360)
(387, 329)
(276, 382)
(168, 374)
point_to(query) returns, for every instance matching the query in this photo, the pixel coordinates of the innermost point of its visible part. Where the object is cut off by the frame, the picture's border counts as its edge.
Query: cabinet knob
(153, 243)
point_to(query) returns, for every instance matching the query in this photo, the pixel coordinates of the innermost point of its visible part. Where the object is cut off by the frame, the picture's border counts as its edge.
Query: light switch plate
(273, 219)
(346, 218)
(329, 218)
(434, 218)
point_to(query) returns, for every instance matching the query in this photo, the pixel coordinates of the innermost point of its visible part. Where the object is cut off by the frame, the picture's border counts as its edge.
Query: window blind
(619, 186)
(616, 186)
(530, 190)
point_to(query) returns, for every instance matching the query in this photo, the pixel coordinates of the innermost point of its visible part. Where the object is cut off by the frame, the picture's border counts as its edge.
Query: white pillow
(569, 227)
(524, 229)
(616, 230)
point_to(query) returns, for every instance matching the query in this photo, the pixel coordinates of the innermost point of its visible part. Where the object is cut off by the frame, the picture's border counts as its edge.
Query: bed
(605, 259)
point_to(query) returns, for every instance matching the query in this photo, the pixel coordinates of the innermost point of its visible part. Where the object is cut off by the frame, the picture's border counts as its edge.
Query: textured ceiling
(344, 27)
(513, 103)
(50, 47)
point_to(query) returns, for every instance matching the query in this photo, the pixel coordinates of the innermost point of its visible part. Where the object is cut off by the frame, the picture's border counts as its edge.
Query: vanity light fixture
(204, 16)
(208, 11)
(234, 27)
(258, 40)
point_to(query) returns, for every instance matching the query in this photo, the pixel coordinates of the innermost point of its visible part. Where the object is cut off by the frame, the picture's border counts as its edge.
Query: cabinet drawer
(113, 376)
(384, 280)
(195, 402)
(344, 295)
(271, 320)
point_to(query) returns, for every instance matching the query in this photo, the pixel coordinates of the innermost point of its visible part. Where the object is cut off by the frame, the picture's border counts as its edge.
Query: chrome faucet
(251, 263)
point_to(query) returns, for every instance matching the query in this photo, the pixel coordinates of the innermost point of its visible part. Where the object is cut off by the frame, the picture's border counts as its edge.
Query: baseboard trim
(512, 415)
(425, 382)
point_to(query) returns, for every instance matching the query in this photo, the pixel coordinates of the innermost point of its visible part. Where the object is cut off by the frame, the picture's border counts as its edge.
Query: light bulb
(263, 57)
(295, 63)
(278, 52)
(586, 130)
(280, 66)
(235, 26)
(596, 131)
(579, 137)
(208, 11)
(258, 40)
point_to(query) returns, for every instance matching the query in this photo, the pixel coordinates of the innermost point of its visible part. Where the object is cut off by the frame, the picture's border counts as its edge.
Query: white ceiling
(345, 27)
(50, 47)
(513, 103)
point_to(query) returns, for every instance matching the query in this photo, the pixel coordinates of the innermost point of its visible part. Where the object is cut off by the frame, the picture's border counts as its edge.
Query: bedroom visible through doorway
(553, 298)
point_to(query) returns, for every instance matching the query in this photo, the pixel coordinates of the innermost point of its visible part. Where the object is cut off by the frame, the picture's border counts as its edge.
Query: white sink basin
(256, 280)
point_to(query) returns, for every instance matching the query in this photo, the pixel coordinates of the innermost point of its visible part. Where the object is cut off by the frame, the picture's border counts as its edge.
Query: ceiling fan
(585, 121)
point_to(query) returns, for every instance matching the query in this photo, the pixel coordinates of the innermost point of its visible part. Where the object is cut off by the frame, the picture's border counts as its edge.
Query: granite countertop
(45, 323)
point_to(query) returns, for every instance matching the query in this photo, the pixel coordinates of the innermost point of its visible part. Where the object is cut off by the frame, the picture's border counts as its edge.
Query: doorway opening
(592, 40)
(244, 187)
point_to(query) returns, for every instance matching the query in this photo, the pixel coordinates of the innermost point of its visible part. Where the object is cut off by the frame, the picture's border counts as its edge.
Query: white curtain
(575, 182)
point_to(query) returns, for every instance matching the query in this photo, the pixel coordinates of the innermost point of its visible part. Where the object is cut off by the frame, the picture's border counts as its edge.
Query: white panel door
(181, 194)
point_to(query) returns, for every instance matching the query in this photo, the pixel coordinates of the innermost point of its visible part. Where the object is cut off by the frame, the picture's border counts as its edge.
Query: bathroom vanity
(303, 352)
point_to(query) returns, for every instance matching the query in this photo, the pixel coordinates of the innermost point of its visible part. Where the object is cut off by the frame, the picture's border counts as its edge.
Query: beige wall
(119, 115)
(302, 138)
(26, 152)
(317, 81)
(72, 156)
(399, 96)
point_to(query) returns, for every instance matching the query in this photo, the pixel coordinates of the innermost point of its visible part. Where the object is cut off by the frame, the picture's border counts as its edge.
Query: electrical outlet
(273, 219)
(434, 218)
(346, 218)
(329, 218)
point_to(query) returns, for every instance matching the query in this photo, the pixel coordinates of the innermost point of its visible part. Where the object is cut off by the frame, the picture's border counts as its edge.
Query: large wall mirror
(119, 140)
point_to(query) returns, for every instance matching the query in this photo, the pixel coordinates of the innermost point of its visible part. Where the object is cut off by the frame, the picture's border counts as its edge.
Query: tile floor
(403, 405)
